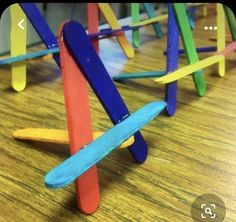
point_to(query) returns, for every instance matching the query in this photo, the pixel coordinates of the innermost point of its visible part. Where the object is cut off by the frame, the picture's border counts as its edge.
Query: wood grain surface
(190, 154)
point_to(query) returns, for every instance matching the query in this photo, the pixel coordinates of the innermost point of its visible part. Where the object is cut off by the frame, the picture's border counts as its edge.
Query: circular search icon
(208, 208)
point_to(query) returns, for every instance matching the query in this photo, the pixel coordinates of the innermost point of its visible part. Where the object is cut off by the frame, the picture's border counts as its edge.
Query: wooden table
(190, 154)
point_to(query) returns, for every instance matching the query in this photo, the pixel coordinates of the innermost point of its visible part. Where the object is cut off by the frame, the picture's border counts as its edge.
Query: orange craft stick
(93, 23)
(56, 136)
(79, 126)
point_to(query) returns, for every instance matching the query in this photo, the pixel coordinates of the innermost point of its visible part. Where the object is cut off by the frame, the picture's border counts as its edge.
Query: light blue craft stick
(76, 165)
(29, 56)
(152, 14)
(124, 76)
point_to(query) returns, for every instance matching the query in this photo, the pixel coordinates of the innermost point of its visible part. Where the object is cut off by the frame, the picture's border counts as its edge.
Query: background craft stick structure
(219, 57)
(18, 51)
(114, 24)
(183, 26)
(135, 15)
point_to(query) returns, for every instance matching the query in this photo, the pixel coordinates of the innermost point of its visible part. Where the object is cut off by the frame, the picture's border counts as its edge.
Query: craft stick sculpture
(77, 66)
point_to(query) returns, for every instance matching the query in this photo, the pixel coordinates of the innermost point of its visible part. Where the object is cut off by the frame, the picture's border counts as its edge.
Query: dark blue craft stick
(81, 49)
(201, 49)
(172, 60)
(41, 27)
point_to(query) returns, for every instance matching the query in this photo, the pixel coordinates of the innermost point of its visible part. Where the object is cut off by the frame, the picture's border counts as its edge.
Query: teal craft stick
(152, 14)
(189, 46)
(76, 165)
(231, 21)
(135, 18)
(124, 76)
(191, 16)
(29, 56)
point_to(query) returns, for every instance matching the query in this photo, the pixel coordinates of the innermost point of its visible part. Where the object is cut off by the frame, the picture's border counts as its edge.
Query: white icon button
(20, 24)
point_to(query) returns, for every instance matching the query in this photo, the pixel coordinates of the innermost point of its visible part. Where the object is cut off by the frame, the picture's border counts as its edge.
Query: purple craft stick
(172, 60)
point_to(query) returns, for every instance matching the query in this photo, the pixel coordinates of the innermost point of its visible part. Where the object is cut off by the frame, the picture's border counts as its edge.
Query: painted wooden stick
(172, 61)
(28, 56)
(189, 69)
(79, 126)
(191, 16)
(41, 27)
(231, 21)
(93, 22)
(76, 165)
(135, 18)
(96, 74)
(228, 49)
(139, 75)
(189, 46)
(55, 136)
(151, 20)
(17, 47)
(200, 49)
(220, 36)
(152, 14)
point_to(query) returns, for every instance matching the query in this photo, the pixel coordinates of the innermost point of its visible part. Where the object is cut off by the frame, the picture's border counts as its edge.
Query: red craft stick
(79, 126)
(93, 23)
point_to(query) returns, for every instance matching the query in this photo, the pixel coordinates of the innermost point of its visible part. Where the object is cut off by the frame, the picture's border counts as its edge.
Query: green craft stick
(152, 14)
(135, 18)
(231, 21)
(189, 46)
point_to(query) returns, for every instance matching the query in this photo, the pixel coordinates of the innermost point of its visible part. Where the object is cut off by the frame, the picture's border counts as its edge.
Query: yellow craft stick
(112, 21)
(195, 4)
(189, 69)
(55, 136)
(204, 10)
(151, 20)
(220, 36)
(18, 47)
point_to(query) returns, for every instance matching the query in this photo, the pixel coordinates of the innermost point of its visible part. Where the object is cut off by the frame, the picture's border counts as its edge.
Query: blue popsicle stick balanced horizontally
(77, 164)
